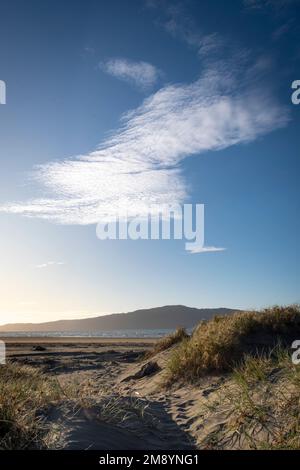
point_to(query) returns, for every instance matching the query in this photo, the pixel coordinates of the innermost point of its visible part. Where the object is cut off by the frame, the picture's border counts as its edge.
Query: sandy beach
(20, 341)
(136, 415)
(116, 394)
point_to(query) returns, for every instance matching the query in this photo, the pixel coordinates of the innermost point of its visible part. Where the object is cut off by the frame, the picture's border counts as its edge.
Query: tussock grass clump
(117, 409)
(220, 344)
(24, 393)
(167, 341)
(256, 407)
(263, 403)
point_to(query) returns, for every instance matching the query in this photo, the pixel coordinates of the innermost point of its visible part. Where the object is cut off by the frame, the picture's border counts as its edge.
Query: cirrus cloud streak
(142, 74)
(140, 164)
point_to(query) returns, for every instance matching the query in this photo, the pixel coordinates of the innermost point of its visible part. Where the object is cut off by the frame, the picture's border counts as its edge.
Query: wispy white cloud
(276, 4)
(282, 30)
(183, 27)
(139, 165)
(176, 21)
(141, 74)
(49, 263)
(205, 249)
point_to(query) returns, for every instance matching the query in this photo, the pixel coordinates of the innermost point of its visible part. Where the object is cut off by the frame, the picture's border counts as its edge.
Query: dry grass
(261, 401)
(167, 341)
(126, 411)
(220, 344)
(257, 404)
(24, 393)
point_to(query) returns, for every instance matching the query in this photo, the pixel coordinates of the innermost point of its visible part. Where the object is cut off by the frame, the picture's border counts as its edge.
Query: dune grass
(260, 394)
(220, 344)
(167, 341)
(24, 393)
(261, 402)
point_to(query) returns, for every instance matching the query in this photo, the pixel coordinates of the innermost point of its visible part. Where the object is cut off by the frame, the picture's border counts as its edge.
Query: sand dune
(115, 396)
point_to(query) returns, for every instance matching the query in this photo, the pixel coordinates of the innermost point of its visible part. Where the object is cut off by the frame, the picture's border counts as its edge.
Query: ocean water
(91, 334)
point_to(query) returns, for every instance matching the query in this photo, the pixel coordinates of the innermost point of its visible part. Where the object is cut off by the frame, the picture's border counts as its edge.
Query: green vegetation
(24, 393)
(220, 344)
(255, 403)
(167, 341)
(261, 402)
(247, 387)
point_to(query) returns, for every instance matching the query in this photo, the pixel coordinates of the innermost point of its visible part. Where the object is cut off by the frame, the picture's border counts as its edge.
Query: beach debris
(147, 369)
(131, 356)
(39, 348)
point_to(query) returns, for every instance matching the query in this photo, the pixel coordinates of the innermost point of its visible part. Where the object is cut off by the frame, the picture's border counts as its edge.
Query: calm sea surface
(92, 334)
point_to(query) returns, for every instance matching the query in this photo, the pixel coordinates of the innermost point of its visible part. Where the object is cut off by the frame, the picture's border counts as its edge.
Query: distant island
(169, 316)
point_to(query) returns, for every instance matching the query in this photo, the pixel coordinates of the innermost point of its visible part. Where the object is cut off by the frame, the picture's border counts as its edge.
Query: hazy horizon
(81, 316)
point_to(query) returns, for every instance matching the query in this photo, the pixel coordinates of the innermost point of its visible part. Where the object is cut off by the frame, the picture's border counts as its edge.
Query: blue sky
(128, 102)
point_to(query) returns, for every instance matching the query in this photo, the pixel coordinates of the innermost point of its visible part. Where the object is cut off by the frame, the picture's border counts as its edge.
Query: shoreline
(75, 339)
